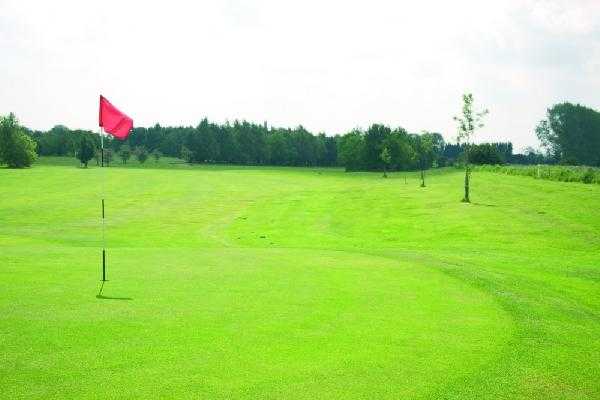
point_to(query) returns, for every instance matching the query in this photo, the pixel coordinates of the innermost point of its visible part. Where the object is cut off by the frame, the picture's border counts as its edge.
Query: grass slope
(241, 282)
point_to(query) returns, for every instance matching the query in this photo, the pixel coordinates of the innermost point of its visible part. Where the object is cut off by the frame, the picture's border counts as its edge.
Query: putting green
(231, 323)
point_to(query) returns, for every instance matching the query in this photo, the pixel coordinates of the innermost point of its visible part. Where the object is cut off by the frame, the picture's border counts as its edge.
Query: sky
(329, 66)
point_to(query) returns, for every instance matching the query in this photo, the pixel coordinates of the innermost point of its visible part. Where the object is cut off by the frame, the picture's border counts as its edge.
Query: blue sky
(330, 66)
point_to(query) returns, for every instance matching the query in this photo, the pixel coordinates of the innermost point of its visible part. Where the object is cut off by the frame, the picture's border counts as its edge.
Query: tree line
(247, 143)
(570, 135)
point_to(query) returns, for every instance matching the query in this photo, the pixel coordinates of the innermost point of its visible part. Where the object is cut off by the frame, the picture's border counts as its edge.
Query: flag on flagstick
(119, 125)
(114, 121)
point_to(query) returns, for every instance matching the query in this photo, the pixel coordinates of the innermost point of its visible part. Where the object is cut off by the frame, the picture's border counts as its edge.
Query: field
(260, 283)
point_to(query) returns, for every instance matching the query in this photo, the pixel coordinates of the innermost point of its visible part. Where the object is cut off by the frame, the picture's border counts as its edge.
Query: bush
(560, 173)
(484, 154)
(17, 149)
(588, 176)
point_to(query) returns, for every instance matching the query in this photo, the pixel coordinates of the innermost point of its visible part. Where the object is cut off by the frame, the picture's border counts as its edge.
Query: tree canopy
(17, 149)
(246, 143)
(571, 134)
(86, 150)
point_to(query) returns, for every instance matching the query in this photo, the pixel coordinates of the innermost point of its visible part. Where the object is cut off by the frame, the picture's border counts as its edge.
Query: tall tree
(374, 141)
(351, 150)
(401, 149)
(468, 122)
(203, 142)
(141, 154)
(17, 149)
(86, 150)
(280, 152)
(571, 134)
(438, 146)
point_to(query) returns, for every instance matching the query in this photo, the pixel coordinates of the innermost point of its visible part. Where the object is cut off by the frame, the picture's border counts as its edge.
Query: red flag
(114, 121)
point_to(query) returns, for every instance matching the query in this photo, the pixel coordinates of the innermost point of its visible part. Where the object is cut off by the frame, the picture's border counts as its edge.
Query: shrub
(560, 173)
(17, 149)
(484, 154)
(588, 176)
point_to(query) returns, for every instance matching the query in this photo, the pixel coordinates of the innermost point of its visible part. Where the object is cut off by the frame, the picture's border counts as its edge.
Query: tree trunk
(466, 198)
(384, 172)
(422, 178)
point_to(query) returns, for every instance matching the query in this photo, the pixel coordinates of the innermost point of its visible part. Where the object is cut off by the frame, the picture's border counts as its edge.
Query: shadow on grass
(100, 296)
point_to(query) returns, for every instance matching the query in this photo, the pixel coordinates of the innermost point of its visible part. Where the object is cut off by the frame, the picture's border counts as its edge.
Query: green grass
(231, 282)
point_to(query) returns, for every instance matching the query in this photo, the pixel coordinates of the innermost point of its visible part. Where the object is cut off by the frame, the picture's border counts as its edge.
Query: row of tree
(107, 156)
(570, 135)
(255, 144)
(240, 143)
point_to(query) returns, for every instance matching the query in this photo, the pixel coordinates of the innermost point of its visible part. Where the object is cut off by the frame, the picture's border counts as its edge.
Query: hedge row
(549, 172)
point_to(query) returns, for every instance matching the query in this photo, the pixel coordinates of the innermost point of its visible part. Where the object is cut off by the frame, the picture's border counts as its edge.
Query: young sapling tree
(468, 122)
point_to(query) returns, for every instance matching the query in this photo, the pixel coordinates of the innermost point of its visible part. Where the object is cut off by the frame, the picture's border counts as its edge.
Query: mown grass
(561, 173)
(262, 282)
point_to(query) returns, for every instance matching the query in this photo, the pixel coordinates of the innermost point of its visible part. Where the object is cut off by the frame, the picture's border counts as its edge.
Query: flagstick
(103, 183)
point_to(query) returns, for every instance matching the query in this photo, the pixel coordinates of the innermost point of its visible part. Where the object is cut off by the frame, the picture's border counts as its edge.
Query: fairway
(233, 282)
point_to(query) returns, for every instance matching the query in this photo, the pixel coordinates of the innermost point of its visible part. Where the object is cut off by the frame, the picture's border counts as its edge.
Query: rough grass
(561, 173)
(248, 282)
